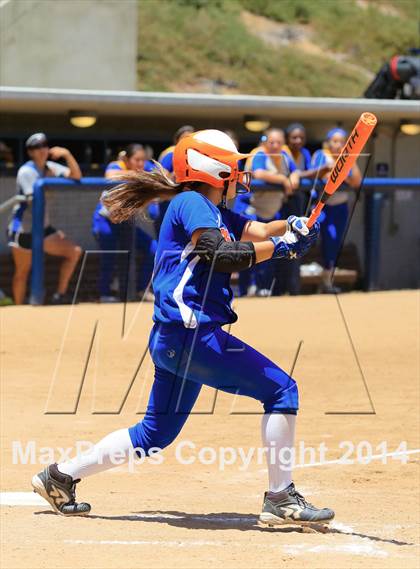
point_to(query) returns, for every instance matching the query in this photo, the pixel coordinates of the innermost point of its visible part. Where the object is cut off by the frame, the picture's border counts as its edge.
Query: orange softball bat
(348, 156)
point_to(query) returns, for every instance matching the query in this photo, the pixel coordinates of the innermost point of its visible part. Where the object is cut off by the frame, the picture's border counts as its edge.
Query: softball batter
(201, 243)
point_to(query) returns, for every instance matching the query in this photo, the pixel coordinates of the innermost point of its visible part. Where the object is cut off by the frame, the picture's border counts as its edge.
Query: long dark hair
(137, 190)
(131, 149)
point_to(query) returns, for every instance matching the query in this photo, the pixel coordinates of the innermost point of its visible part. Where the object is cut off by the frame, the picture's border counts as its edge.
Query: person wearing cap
(335, 213)
(41, 164)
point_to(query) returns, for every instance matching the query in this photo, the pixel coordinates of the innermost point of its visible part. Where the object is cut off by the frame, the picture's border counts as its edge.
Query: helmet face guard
(196, 160)
(243, 184)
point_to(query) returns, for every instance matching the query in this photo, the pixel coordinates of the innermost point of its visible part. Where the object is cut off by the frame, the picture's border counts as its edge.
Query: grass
(370, 34)
(202, 45)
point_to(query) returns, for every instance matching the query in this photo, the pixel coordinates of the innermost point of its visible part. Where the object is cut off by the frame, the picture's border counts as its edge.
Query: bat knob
(369, 119)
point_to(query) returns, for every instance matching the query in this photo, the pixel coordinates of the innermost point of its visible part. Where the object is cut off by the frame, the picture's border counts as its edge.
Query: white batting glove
(297, 225)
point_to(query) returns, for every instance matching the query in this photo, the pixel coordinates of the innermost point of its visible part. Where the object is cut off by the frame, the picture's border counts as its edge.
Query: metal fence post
(37, 276)
(373, 215)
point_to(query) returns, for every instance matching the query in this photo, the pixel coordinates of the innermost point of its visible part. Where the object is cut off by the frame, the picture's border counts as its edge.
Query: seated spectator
(335, 214)
(41, 165)
(118, 236)
(271, 167)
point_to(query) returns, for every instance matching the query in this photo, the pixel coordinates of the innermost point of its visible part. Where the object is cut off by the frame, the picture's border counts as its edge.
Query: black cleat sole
(271, 520)
(40, 489)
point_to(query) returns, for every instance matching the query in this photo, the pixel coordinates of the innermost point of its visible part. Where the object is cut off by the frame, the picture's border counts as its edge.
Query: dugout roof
(135, 103)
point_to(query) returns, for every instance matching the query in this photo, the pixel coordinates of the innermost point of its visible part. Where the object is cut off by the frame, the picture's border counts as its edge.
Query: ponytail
(136, 191)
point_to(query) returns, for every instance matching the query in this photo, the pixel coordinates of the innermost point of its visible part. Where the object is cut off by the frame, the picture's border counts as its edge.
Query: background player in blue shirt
(336, 212)
(166, 161)
(200, 244)
(113, 236)
(299, 160)
(271, 167)
(166, 157)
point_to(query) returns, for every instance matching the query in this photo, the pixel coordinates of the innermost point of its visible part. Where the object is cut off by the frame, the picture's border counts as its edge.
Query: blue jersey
(282, 163)
(321, 158)
(324, 157)
(166, 158)
(186, 291)
(302, 161)
(268, 204)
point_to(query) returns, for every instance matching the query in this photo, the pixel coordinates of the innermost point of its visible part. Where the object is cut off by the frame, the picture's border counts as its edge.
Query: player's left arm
(257, 231)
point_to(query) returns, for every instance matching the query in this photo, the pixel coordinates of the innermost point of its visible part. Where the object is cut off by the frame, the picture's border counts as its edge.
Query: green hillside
(271, 47)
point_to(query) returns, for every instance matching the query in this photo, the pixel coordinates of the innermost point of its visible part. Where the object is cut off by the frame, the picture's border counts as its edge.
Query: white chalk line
(32, 499)
(21, 499)
(366, 549)
(354, 548)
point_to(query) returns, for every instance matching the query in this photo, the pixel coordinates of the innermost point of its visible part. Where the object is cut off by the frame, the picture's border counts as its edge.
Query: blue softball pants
(333, 228)
(186, 359)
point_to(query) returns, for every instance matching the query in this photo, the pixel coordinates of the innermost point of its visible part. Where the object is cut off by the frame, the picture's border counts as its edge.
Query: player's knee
(285, 399)
(145, 437)
(76, 252)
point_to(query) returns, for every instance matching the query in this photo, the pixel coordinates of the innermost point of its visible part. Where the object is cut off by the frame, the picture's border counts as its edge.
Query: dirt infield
(204, 514)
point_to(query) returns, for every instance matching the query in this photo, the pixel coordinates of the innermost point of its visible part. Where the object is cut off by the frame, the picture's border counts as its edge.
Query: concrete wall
(76, 44)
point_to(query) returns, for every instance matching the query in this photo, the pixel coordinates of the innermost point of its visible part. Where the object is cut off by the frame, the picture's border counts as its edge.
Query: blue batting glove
(294, 246)
(314, 232)
(281, 248)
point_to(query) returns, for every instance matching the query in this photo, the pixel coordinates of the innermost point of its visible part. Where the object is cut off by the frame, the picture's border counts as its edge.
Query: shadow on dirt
(222, 521)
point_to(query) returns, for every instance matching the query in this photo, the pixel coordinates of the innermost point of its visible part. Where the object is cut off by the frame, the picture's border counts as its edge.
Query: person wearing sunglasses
(41, 164)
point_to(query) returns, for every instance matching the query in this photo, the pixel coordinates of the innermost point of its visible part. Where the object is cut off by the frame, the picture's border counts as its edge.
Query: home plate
(21, 499)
